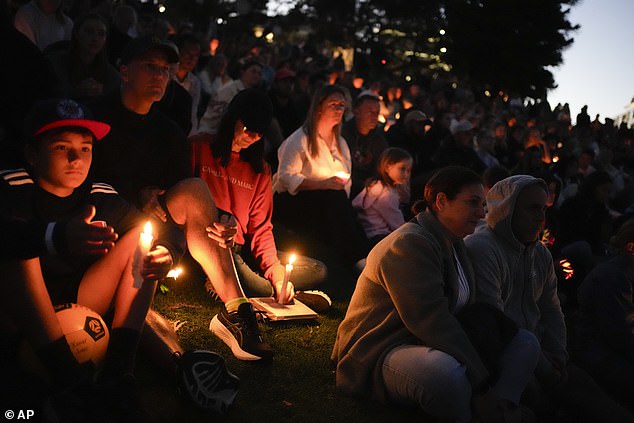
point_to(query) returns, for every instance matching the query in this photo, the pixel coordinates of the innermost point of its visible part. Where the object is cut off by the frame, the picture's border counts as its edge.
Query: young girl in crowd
(378, 204)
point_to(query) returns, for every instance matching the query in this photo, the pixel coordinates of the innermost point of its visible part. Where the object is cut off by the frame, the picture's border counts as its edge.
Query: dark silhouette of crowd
(347, 157)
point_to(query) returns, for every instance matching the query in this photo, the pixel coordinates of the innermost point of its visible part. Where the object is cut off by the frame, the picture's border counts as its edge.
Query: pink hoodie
(378, 209)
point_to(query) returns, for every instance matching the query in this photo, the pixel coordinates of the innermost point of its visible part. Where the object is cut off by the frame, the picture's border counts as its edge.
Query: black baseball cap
(139, 46)
(61, 112)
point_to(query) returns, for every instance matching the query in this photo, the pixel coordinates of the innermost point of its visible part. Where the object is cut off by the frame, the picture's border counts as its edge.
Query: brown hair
(449, 180)
(389, 157)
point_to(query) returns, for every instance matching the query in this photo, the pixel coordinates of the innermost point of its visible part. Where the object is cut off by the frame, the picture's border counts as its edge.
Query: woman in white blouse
(312, 183)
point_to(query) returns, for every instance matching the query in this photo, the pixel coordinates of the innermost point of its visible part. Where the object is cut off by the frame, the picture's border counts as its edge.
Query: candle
(287, 274)
(143, 248)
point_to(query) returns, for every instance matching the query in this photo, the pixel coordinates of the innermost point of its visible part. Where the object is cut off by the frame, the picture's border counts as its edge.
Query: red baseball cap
(57, 113)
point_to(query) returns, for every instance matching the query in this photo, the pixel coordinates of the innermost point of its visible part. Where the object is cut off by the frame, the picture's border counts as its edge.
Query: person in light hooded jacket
(515, 273)
(402, 340)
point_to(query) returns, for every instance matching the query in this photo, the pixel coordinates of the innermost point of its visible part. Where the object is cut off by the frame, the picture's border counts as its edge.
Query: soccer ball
(86, 333)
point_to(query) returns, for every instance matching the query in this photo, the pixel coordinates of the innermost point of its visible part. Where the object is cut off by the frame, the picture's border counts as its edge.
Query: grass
(299, 385)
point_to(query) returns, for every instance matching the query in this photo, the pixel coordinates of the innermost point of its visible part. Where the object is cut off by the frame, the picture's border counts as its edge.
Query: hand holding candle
(143, 248)
(343, 175)
(287, 274)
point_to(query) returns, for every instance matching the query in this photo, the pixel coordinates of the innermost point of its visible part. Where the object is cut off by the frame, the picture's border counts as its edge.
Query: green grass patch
(298, 386)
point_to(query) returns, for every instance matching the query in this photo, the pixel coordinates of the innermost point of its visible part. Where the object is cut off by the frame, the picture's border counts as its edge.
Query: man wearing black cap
(145, 157)
(144, 148)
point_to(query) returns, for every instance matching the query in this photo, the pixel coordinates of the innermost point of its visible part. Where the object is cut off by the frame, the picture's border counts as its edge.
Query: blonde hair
(312, 118)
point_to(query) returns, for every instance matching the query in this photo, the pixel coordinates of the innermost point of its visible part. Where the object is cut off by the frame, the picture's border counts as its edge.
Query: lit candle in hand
(287, 274)
(342, 175)
(143, 248)
(174, 273)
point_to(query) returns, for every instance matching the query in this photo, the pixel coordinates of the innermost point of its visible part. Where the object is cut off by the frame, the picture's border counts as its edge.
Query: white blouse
(296, 164)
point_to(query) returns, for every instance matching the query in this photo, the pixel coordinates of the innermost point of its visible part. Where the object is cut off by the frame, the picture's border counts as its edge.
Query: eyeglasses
(336, 105)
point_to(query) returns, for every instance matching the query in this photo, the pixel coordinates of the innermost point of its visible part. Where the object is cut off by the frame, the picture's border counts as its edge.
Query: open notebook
(274, 311)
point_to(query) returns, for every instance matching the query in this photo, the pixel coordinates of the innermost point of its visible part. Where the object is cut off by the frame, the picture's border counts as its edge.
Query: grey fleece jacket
(405, 296)
(516, 278)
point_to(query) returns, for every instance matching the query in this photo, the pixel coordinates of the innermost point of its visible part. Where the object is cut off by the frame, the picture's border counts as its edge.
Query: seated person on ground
(378, 205)
(312, 183)
(514, 273)
(92, 268)
(403, 339)
(232, 163)
(364, 138)
(82, 70)
(145, 157)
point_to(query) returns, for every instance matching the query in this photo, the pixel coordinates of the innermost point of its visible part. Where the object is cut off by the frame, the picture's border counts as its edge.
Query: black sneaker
(318, 301)
(239, 330)
(203, 377)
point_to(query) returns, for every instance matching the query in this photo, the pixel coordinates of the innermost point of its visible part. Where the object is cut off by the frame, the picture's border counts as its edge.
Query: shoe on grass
(240, 331)
(318, 301)
(203, 377)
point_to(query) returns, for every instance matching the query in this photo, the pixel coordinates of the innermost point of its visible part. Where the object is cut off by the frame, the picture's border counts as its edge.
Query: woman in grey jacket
(401, 340)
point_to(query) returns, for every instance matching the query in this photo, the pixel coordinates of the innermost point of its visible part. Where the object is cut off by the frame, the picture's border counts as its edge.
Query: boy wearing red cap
(84, 262)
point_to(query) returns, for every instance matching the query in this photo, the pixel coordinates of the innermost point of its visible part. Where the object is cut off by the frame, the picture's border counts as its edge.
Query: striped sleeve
(100, 187)
(16, 177)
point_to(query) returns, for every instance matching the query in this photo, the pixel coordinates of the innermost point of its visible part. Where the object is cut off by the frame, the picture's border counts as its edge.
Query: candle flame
(147, 229)
(174, 273)
(291, 259)
(342, 175)
(566, 266)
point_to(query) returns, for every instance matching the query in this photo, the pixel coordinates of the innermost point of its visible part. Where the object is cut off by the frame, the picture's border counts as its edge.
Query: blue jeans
(438, 383)
(307, 274)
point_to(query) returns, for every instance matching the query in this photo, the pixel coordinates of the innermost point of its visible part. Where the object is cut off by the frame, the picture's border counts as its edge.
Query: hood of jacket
(501, 201)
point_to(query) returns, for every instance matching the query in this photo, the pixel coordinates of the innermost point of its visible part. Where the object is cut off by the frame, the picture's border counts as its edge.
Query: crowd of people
(492, 238)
